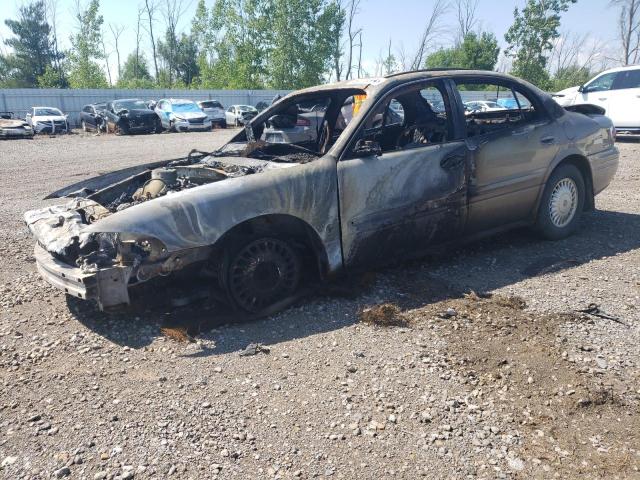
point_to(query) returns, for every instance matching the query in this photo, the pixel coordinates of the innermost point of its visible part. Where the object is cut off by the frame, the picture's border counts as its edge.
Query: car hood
(567, 96)
(140, 113)
(12, 123)
(49, 118)
(108, 203)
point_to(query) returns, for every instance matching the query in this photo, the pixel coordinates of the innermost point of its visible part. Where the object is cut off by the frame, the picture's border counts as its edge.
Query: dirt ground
(473, 364)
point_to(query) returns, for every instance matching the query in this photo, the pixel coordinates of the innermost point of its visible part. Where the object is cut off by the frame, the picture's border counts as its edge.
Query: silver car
(215, 112)
(182, 115)
(237, 115)
(256, 220)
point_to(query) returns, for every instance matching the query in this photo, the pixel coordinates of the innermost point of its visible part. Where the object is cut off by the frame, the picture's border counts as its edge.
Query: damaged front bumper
(107, 286)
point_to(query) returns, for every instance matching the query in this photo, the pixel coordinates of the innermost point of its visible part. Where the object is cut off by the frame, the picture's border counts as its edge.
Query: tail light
(303, 122)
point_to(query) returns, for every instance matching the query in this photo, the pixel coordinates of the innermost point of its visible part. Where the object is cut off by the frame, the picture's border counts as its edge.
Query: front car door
(624, 100)
(597, 92)
(511, 151)
(403, 179)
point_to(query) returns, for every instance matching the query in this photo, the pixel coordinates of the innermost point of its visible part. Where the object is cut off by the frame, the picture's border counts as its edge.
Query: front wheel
(261, 274)
(562, 203)
(84, 126)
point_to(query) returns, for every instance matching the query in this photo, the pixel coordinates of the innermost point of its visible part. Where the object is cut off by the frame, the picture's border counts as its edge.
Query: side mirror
(367, 148)
(581, 89)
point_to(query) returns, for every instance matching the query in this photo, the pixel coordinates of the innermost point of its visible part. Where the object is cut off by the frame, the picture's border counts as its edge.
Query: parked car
(616, 90)
(12, 127)
(92, 117)
(130, 115)
(240, 114)
(47, 120)
(482, 106)
(215, 112)
(262, 106)
(258, 219)
(182, 115)
(300, 124)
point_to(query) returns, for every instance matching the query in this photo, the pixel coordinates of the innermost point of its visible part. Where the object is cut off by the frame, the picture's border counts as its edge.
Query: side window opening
(601, 84)
(411, 118)
(493, 107)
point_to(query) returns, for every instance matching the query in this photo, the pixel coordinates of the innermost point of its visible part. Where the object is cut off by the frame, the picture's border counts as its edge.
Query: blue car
(509, 103)
(182, 115)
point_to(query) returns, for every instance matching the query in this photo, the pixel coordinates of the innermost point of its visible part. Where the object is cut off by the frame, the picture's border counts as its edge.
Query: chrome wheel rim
(563, 202)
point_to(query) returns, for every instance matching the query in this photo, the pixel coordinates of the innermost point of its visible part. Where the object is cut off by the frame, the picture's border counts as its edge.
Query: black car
(131, 115)
(92, 117)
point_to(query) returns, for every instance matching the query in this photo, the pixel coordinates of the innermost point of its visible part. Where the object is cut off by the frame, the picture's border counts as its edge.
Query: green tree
(32, 50)
(301, 47)
(531, 37)
(135, 73)
(476, 51)
(85, 72)
(570, 77)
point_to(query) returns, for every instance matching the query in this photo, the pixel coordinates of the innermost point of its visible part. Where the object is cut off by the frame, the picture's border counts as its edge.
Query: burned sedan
(12, 127)
(258, 219)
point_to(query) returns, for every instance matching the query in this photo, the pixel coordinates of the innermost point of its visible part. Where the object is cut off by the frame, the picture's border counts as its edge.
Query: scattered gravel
(407, 376)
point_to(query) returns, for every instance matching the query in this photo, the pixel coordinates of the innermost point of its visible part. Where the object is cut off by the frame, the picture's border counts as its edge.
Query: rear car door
(511, 151)
(624, 100)
(403, 180)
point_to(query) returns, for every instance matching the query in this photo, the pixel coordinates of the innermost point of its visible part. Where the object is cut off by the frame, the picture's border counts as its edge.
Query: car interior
(516, 109)
(413, 117)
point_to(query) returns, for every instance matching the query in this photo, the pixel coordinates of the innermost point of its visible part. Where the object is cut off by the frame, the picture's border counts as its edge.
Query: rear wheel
(262, 273)
(562, 203)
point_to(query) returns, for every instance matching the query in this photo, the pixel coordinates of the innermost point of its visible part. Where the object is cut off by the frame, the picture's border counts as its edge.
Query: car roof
(47, 107)
(620, 69)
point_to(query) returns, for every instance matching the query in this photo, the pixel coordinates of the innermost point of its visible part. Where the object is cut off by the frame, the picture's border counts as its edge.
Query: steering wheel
(323, 138)
(422, 133)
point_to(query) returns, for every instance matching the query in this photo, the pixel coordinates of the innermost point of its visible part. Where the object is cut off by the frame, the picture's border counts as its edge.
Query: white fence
(20, 100)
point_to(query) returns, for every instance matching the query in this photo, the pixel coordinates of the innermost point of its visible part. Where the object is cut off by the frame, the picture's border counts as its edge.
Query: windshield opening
(211, 104)
(129, 105)
(186, 107)
(47, 111)
(300, 130)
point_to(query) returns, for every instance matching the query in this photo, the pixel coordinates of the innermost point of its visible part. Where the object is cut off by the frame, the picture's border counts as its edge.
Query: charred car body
(371, 187)
(11, 127)
(130, 115)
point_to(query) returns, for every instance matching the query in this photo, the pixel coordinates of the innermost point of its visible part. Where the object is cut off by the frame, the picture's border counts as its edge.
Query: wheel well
(582, 164)
(287, 227)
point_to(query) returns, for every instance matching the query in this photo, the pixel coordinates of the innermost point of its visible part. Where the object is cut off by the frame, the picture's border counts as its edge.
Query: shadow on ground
(482, 266)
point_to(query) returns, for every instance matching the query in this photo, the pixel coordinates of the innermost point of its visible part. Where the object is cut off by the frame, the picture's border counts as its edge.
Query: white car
(482, 106)
(47, 120)
(215, 112)
(616, 90)
(240, 114)
(182, 115)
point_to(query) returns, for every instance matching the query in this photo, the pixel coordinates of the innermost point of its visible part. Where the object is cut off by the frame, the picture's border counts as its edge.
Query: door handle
(548, 140)
(452, 162)
(602, 99)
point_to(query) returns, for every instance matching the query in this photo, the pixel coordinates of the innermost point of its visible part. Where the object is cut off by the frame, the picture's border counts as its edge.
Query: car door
(624, 100)
(511, 151)
(597, 92)
(396, 198)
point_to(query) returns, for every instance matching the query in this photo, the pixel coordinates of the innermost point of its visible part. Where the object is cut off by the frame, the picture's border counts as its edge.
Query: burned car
(258, 219)
(12, 127)
(130, 115)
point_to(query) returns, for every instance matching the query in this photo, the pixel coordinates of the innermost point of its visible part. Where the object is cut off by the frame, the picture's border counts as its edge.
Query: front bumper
(47, 127)
(185, 126)
(15, 132)
(604, 166)
(107, 286)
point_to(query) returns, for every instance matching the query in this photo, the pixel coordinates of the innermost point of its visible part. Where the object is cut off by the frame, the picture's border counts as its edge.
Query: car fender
(200, 216)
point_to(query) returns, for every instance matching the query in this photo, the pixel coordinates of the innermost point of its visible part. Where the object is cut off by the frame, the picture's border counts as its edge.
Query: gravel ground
(401, 373)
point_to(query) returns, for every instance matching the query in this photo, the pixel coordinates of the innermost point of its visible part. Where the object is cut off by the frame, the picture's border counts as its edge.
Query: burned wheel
(263, 273)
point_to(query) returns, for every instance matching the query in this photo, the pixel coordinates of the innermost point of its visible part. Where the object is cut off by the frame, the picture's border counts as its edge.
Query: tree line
(291, 44)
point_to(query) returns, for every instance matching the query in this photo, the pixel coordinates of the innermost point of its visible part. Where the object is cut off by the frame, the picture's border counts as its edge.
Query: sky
(402, 21)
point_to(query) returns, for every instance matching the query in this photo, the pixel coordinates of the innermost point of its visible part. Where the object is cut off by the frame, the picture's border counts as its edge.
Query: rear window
(210, 104)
